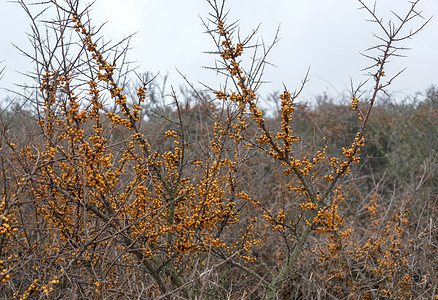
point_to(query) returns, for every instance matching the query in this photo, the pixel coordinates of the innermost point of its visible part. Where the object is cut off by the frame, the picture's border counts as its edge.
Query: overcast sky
(326, 36)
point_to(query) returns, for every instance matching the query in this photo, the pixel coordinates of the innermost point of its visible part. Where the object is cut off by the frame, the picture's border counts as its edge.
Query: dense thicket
(398, 171)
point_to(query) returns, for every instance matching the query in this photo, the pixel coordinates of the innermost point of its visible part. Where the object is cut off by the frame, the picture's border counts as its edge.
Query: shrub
(115, 198)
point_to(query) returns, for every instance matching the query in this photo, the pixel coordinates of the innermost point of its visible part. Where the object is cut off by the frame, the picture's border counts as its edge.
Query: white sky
(326, 36)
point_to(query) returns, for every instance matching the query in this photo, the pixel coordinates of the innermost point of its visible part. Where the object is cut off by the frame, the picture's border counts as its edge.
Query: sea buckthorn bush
(109, 194)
